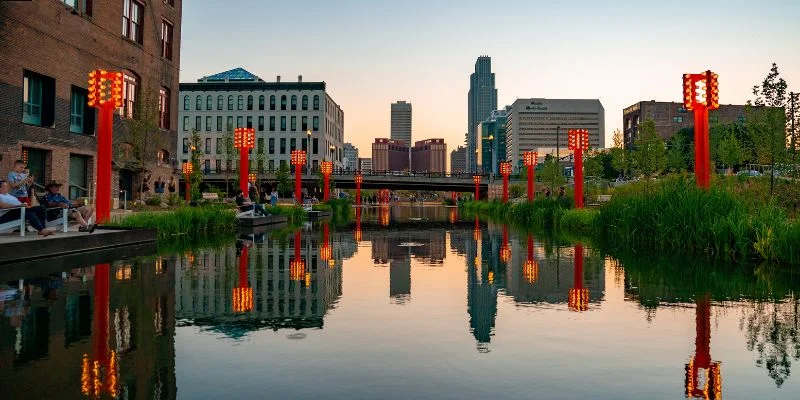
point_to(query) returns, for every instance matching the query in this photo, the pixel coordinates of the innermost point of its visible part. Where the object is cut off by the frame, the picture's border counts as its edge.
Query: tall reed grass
(187, 221)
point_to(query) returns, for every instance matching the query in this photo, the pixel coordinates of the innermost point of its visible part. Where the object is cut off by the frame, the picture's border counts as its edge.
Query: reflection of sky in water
(447, 319)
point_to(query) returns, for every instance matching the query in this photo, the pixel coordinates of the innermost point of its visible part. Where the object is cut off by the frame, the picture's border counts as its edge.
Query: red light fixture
(578, 141)
(105, 94)
(700, 94)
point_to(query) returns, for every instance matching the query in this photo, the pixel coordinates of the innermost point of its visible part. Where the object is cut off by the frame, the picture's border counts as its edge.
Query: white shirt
(9, 199)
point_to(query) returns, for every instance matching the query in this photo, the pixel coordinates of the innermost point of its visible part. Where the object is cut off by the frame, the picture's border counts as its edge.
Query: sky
(372, 53)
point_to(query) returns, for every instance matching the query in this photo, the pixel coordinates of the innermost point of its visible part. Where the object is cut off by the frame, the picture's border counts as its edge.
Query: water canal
(405, 303)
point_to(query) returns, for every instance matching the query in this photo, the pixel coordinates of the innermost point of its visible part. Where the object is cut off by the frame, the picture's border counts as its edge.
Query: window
(271, 168)
(249, 102)
(219, 146)
(185, 123)
(218, 166)
(38, 99)
(230, 124)
(304, 144)
(294, 123)
(166, 39)
(240, 102)
(283, 145)
(186, 143)
(239, 122)
(129, 91)
(305, 102)
(272, 102)
(315, 146)
(170, 3)
(185, 102)
(76, 110)
(198, 121)
(78, 182)
(316, 124)
(198, 104)
(249, 121)
(209, 103)
(163, 108)
(283, 102)
(260, 145)
(283, 123)
(677, 120)
(316, 102)
(207, 166)
(87, 7)
(71, 3)
(304, 123)
(132, 13)
(292, 144)
(272, 123)
(294, 102)
(208, 123)
(260, 122)
(219, 102)
(230, 102)
(261, 102)
(208, 146)
(219, 123)
(271, 145)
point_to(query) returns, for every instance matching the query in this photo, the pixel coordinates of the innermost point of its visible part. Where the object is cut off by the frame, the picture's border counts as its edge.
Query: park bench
(12, 225)
(56, 216)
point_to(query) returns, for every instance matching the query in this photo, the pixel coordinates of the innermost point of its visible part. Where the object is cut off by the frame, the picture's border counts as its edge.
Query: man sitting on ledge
(245, 204)
(77, 211)
(34, 215)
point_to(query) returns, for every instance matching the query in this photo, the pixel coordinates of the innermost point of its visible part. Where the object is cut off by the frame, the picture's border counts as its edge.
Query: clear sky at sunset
(371, 53)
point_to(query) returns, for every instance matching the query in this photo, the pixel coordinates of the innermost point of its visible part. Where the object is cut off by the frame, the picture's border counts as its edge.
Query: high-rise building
(458, 160)
(492, 143)
(365, 164)
(350, 157)
(542, 124)
(282, 114)
(48, 50)
(401, 122)
(429, 155)
(482, 100)
(389, 155)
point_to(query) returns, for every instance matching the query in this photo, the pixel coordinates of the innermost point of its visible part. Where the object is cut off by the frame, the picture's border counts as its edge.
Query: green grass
(193, 222)
(295, 214)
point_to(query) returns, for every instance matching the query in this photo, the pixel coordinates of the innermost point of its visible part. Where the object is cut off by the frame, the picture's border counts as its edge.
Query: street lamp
(700, 94)
(326, 168)
(531, 158)
(298, 159)
(505, 170)
(244, 139)
(105, 94)
(578, 142)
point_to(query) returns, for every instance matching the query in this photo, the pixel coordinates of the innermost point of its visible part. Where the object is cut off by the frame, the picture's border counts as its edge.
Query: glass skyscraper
(482, 100)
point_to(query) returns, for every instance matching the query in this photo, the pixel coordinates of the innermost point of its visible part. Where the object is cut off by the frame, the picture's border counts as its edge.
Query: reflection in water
(703, 376)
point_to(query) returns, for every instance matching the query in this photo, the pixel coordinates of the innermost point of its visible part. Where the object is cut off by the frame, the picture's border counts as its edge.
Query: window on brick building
(304, 123)
(219, 146)
(315, 124)
(163, 108)
(249, 122)
(186, 144)
(260, 122)
(261, 102)
(240, 102)
(239, 122)
(315, 146)
(185, 123)
(250, 102)
(130, 89)
(293, 144)
(219, 123)
(198, 121)
(219, 102)
(294, 123)
(71, 3)
(272, 102)
(316, 102)
(162, 157)
(283, 123)
(38, 99)
(87, 7)
(81, 116)
(294, 102)
(305, 102)
(132, 16)
(283, 145)
(230, 124)
(185, 102)
(166, 39)
(198, 105)
(208, 146)
(283, 102)
(208, 123)
(209, 103)
(271, 145)
(170, 3)
(230, 103)
(78, 176)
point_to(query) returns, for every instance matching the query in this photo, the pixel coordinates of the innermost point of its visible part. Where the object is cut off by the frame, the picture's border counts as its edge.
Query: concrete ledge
(249, 222)
(31, 247)
(314, 215)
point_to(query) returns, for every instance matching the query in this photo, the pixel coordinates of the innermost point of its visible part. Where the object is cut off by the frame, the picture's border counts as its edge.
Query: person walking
(273, 198)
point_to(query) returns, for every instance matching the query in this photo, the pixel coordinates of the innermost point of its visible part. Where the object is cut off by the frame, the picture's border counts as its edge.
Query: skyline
(371, 55)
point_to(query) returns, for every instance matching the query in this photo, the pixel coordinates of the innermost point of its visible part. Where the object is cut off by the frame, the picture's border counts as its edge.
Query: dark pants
(34, 215)
(257, 209)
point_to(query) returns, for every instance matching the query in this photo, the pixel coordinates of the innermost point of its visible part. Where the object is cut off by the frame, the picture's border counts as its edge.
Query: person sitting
(78, 212)
(34, 215)
(245, 204)
(20, 181)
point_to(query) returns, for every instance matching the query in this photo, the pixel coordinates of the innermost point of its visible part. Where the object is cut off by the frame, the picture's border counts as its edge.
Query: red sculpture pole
(358, 179)
(105, 94)
(298, 160)
(505, 170)
(531, 158)
(188, 188)
(701, 94)
(578, 141)
(326, 168)
(477, 180)
(187, 174)
(244, 139)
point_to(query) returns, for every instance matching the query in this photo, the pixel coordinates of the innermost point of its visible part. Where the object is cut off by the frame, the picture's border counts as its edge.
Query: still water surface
(407, 303)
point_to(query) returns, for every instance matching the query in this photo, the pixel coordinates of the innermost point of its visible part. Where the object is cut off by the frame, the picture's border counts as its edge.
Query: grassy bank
(185, 221)
(295, 214)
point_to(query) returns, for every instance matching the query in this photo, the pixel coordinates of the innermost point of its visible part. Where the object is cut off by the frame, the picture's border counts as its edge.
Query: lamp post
(358, 179)
(187, 169)
(578, 142)
(298, 160)
(326, 168)
(531, 158)
(477, 180)
(244, 139)
(700, 94)
(505, 170)
(105, 94)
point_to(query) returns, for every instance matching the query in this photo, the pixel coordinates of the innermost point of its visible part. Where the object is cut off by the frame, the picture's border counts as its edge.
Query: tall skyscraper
(482, 100)
(401, 122)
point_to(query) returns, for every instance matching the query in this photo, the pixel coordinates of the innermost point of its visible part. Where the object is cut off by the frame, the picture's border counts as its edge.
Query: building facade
(48, 50)
(429, 155)
(389, 155)
(401, 122)
(670, 117)
(350, 160)
(365, 164)
(286, 116)
(458, 160)
(541, 125)
(491, 147)
(481, 101)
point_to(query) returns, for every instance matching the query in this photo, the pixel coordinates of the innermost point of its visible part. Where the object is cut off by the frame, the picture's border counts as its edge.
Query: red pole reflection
(243, 294)
(103, 365)
(531, 270)
(703, 376)
(578, 295)
(358, 234)
(505, 250)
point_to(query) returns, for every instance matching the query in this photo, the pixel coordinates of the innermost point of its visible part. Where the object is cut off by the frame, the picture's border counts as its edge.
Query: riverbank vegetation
(185, 221)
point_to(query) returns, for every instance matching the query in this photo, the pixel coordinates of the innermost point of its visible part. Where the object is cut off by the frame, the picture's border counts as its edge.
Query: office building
(350, 160)
(458, 160)
(48, 50)
(282, 114)
(541, 125)
(492, 143)
(389, 155)
(670, 117)
(365, 164)
(482, 100)
(401, 121)
(429, 155)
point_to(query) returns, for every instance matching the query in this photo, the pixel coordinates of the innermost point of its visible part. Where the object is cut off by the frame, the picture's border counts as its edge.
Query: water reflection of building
(426, 246)
(204, 288)
(54, 336)
(400, 280)
(482, 287)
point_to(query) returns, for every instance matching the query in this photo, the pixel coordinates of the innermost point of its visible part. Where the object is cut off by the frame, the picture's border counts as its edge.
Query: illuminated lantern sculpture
(505, 170)
(531, 158)
(105, 94)
(244, 139)
(700, 94)
(297, 267)
(578, 141)
(578, 295)
(326, 168)
(243, 294)
(187, 170)
(253, 177)
(477, 180)
(358, 179)
(505, 250)
(100, 374)
(298, 160)
(531, 269)
(703, 376)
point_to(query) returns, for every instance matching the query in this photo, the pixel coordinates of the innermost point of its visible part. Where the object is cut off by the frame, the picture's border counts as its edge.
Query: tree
(620, 158)
(592, 165)
(195, 145)
(650, 154)
(679, 151)
(729, 151)
(143, 135)
(284, 183)
(767, 121)
(551, 172)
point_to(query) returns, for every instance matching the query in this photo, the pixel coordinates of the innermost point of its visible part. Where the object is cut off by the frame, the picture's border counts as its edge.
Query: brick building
(429, 155)
(48, 49)
(389, 155)
(670, 117)
(458, 160)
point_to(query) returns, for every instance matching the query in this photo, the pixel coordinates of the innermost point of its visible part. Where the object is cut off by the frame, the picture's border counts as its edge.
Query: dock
(276, 221)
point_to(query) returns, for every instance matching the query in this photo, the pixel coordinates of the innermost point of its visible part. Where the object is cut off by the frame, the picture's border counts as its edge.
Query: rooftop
(237, 75)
